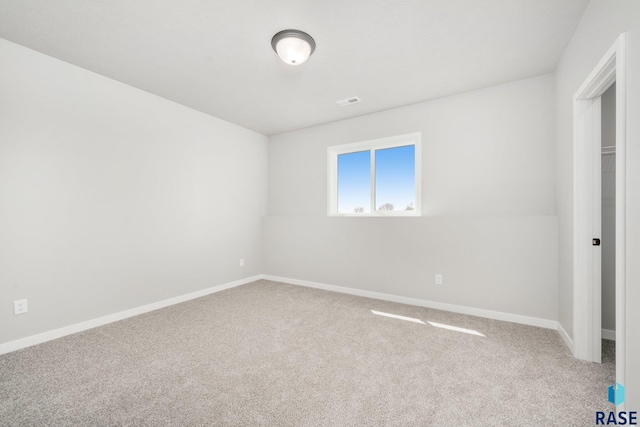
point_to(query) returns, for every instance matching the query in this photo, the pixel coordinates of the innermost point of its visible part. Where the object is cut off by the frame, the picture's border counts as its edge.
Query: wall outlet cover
(20, 306)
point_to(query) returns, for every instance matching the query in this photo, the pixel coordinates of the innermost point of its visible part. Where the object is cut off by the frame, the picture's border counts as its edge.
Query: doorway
(608, 222)
(587, 209)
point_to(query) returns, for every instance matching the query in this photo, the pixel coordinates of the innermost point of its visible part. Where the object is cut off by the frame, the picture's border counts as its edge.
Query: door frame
(586, 194)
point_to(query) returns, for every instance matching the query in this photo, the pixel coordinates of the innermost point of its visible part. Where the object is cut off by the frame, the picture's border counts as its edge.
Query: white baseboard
(497, 315)
(608, 334)
(567, 340)
(89, 324)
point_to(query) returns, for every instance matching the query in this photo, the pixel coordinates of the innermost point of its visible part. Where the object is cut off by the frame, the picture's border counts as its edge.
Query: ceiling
(215, 55)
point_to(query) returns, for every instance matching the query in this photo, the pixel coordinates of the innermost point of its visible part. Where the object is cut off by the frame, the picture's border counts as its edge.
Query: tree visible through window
(375, 177)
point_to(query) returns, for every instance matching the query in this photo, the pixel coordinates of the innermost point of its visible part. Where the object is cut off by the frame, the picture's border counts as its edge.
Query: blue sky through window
(395, 177)
(354, 182)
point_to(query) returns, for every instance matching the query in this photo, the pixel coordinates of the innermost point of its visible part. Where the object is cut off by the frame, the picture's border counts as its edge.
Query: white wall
(488, 195)
(608, 235)
(601, 24)
(112, 198)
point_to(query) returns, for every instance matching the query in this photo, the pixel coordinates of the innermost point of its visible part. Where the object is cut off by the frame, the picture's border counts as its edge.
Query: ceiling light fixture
(293, 46)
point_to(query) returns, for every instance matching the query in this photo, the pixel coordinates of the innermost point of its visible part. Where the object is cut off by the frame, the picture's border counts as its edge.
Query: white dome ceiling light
(293, 46)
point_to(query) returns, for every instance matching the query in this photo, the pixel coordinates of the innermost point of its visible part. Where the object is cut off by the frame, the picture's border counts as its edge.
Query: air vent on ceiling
(348, 101)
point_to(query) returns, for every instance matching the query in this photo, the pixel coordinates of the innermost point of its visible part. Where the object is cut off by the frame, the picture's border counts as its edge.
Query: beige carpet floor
(274, 354)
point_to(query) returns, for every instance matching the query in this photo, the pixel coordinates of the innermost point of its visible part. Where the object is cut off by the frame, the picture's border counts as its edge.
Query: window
(371, 178)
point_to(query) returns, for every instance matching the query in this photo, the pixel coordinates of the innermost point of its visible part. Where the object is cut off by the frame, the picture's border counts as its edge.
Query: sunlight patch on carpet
(396, 316)
(455, 328)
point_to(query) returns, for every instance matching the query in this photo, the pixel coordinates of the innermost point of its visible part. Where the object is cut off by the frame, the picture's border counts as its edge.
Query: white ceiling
(215, 55)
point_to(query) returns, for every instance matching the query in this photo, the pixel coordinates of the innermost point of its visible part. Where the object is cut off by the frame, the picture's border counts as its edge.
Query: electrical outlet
(439, 279)
(241, 263)
(20, 306)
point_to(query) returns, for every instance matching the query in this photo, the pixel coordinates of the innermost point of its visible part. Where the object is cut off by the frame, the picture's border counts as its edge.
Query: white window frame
(377, 144)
